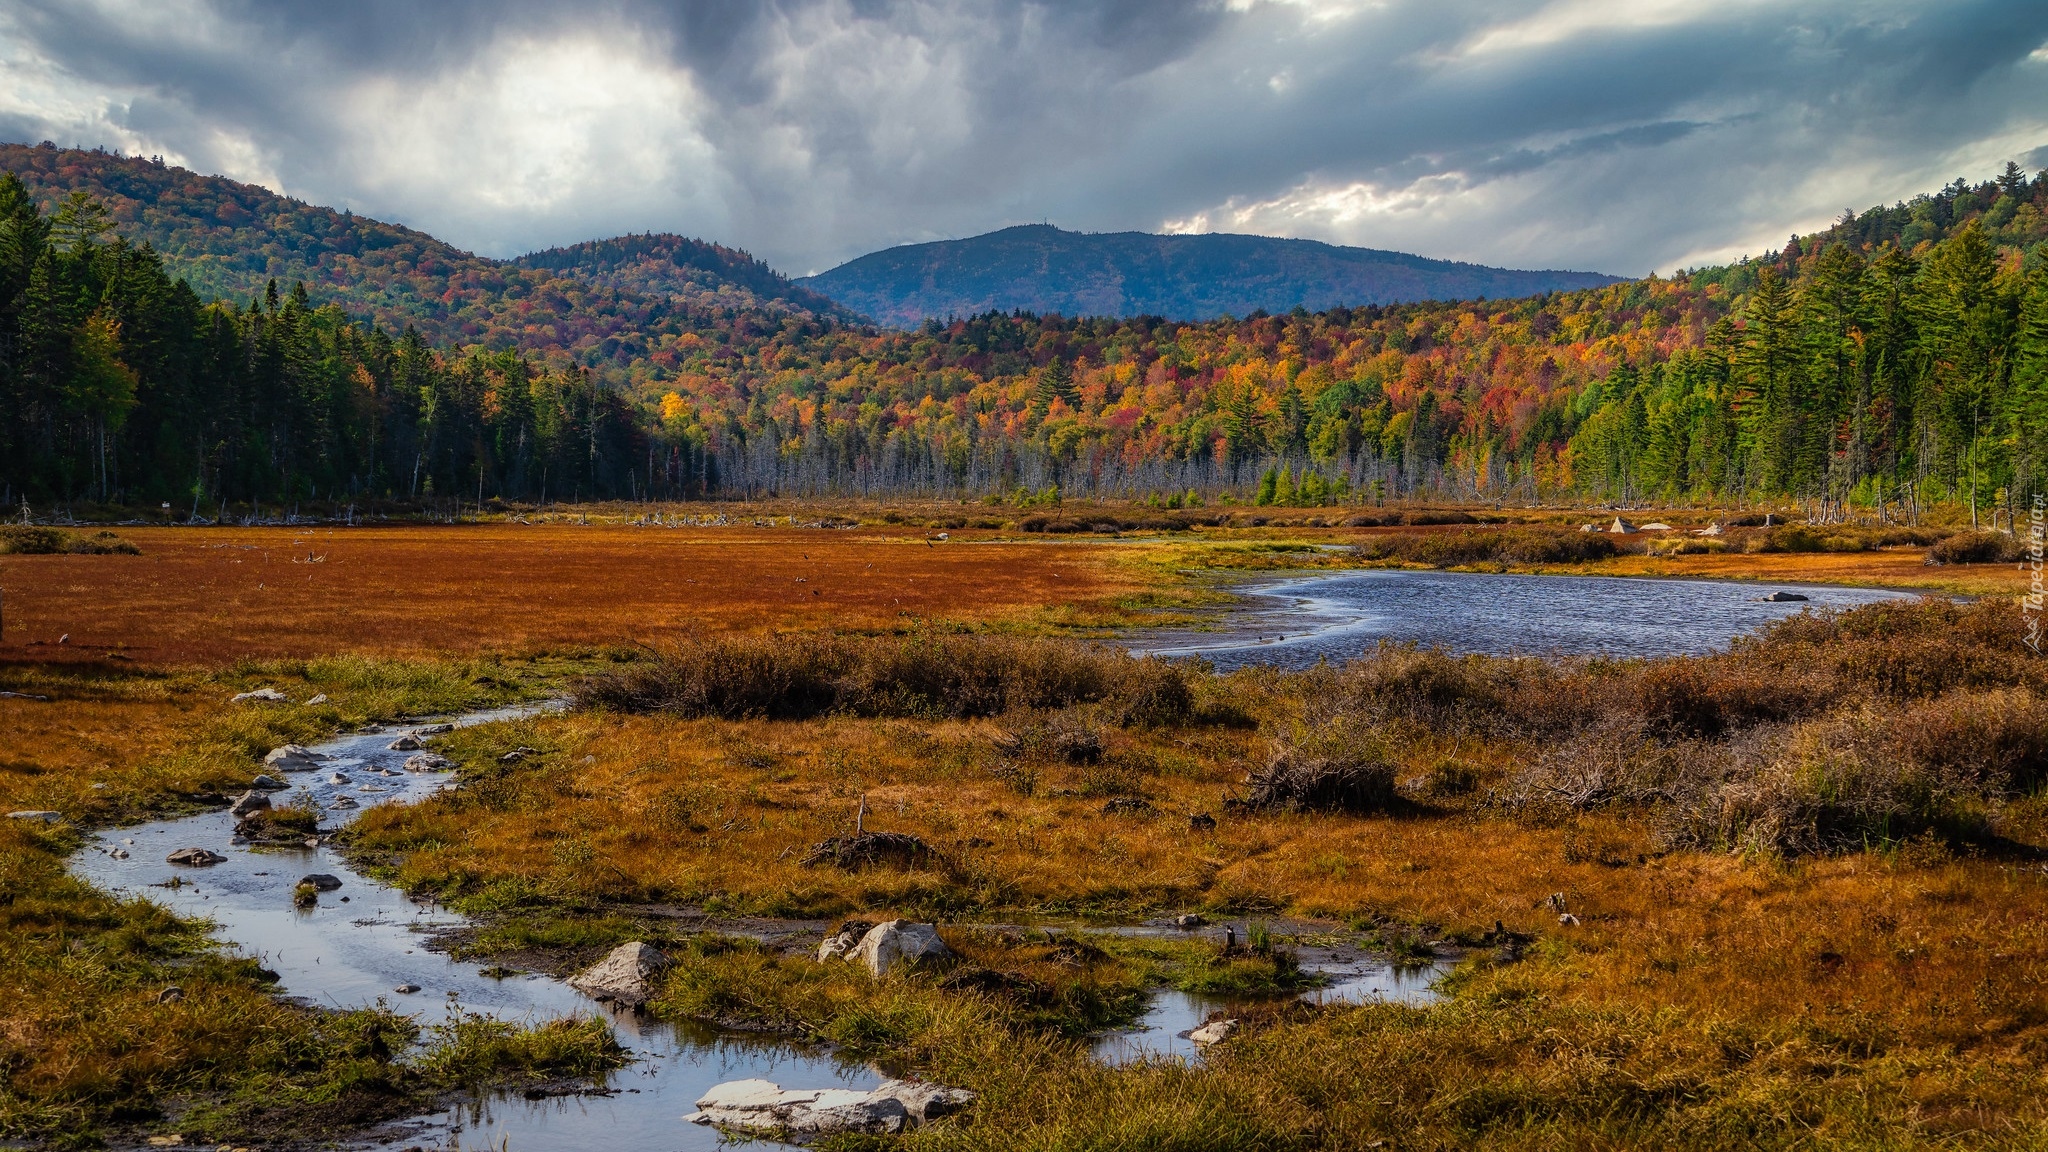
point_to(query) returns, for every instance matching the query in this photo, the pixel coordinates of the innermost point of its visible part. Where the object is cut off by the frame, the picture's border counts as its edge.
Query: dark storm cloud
(1620, 136)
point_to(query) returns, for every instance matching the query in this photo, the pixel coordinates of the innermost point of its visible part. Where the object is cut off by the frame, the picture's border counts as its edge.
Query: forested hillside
(1037, 268)
(598, 305)
(1900, 358)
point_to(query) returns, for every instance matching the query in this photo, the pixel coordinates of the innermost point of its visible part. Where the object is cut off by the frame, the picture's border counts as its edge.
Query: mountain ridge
(1041, 268)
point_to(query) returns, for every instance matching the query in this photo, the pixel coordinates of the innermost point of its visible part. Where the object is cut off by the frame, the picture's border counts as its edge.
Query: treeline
(118, 384)
(1897, 360)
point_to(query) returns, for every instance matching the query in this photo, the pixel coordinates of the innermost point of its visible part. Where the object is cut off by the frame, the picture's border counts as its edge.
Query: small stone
(406, 743)
(406, 989)
(260, 695)
(170, 995)
(248, 803)
(433, 729)
(267, 783)
(43, 814)
(1190, 921)
(324, 881)
(293, 758)
(428, 762)
(344, 802)
(1214, 1032)
(195, 857)
(320, 698)
(512, 757)
(336, 778)
(312, 842)
(1568, 920)
(118, 853)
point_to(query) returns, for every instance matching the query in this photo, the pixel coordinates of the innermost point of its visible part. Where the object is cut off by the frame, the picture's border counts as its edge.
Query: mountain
(600, 303)
(1896, 359)
(1039, 268)
(672, 267)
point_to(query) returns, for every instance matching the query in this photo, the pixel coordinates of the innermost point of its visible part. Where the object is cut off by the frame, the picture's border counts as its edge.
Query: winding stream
(364, 940)
(1293, 622)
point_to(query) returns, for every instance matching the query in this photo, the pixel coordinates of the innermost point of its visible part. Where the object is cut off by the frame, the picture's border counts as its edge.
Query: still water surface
(1294, 622)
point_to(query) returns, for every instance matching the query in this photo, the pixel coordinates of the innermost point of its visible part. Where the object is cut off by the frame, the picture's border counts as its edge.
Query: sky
(1624, 137)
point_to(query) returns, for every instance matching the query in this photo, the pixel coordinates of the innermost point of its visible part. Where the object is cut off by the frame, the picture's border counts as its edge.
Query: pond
(1293, 622)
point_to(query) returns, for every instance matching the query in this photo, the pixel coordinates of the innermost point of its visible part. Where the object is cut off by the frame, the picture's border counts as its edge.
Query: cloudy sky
(1615, 135)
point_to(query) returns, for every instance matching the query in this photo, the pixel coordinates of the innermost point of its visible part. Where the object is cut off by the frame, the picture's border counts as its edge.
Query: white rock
(336, 778)
(428, 762)
(320, 698)
(764, 1106)
(837, 945)
(293, 758)
(896, 941)
(262, 695)
(624, 976)
(1215, 1032)
(43, 814)
(406, 743)
(118, 853)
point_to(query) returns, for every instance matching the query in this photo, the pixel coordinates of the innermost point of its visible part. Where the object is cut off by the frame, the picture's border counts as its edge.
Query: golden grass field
(1895, 996)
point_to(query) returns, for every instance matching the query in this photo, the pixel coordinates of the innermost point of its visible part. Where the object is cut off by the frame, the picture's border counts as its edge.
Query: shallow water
(1295, 622)
(1162, 1033)
(354, 953)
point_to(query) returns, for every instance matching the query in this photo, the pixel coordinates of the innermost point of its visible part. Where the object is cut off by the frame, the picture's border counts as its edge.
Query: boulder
(43, 814)
(1657, 527)
(336, 778)
(428, 762)
(896, 942)
(196, 857)
(623, 977)
(293, 758)
(248, 803)
(267, 783)
(1621, 527)
(406, 989)
(323, 881)
(406, 743)
(1783, 598)
(839, 943)
(260, 696)
(763, 1106)
(1214, 1032)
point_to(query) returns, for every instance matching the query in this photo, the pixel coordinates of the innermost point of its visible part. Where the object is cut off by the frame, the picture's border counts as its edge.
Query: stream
(364, 940)
(1294, 622)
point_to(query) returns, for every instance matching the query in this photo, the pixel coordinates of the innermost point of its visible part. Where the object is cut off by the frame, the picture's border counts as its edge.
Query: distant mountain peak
(1045, 268)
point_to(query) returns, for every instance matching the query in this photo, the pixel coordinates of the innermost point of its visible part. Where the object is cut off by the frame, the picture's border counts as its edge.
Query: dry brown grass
(217, 595)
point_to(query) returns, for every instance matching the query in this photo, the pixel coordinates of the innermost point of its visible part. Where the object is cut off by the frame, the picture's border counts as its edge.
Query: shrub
(1977, 548)
(1318, 769)
(1512, 545)
(926, 673)
(35, 540)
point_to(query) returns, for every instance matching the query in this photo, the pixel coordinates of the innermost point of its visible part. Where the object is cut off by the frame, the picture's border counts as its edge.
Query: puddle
(1352, 977)
(354, 954)
(1293, 623)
